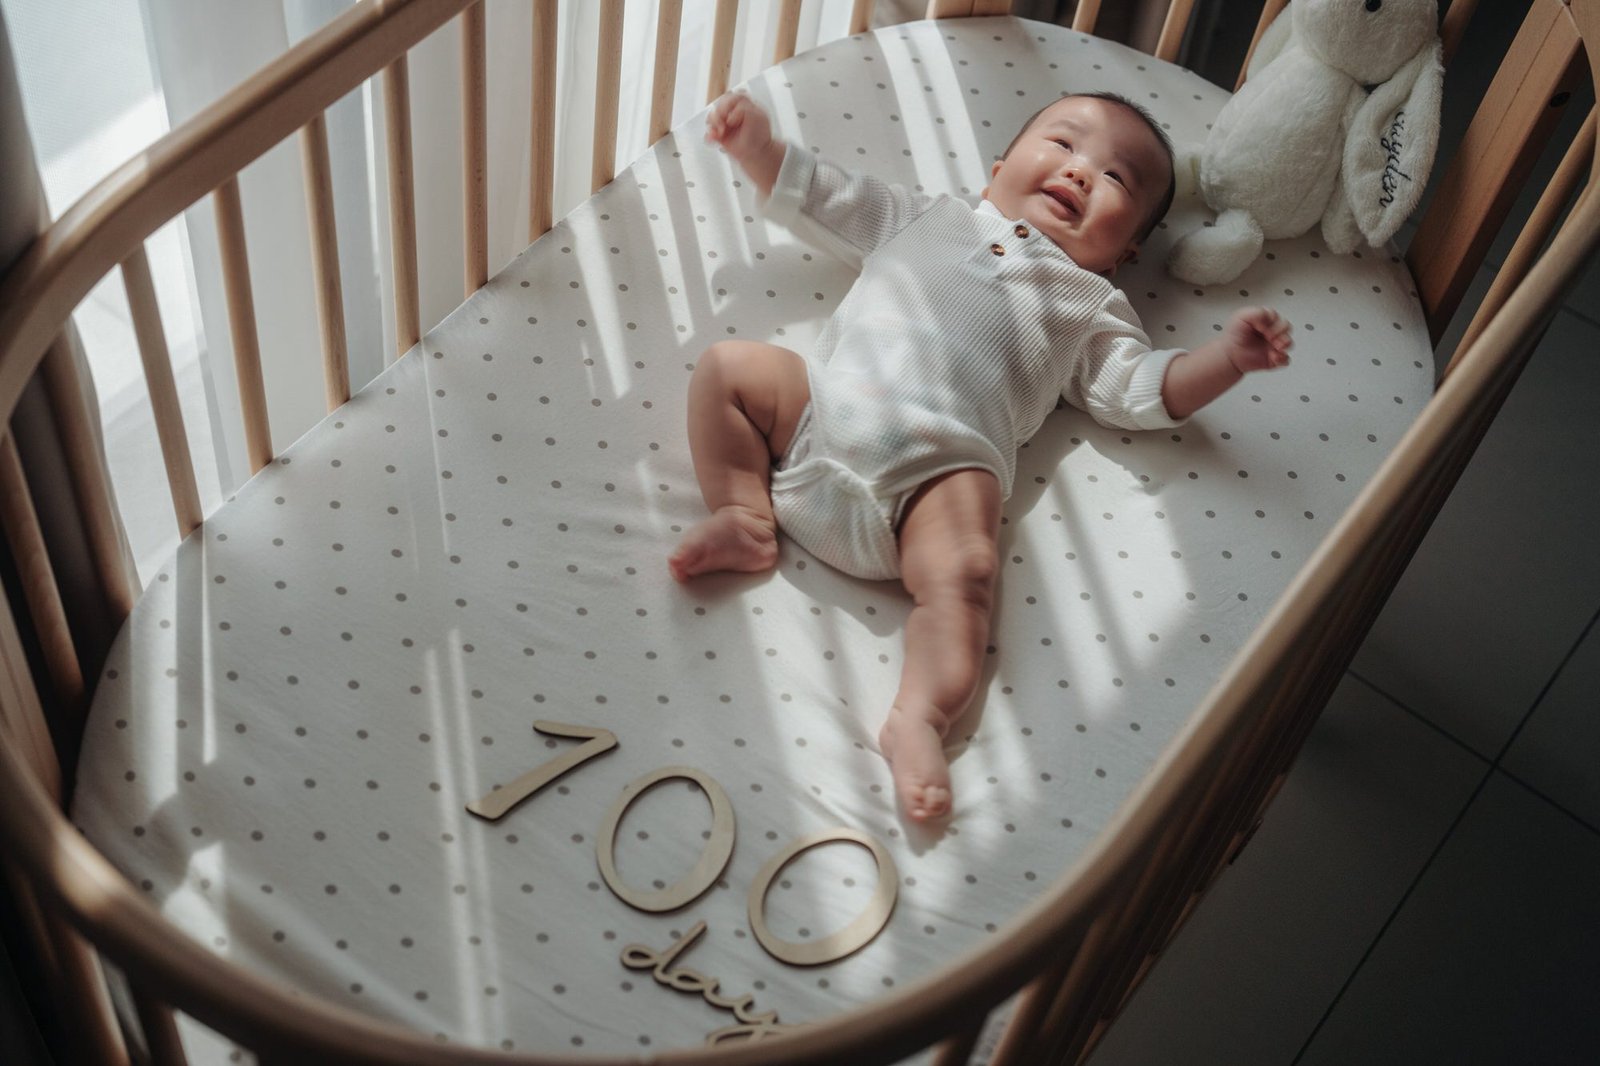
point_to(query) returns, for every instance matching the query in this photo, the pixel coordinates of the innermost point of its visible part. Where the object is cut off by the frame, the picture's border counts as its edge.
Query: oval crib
(1072, 953)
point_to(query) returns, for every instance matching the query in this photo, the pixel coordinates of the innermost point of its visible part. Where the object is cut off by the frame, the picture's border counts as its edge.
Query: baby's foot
(733, 538)
(915, 751)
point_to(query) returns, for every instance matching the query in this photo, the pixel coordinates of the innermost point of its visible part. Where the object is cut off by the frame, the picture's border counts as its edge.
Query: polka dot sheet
(356, 645)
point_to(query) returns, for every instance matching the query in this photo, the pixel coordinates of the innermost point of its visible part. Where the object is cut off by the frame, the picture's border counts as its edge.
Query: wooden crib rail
(103, 229)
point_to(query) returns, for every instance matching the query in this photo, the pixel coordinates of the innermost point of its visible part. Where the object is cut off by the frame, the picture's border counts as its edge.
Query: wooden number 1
(596, 741)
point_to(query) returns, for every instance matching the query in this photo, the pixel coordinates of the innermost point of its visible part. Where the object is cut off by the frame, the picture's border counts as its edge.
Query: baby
(890, 451)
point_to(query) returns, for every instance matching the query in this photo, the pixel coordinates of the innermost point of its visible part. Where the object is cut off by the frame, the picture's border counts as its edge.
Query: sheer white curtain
(171, 58)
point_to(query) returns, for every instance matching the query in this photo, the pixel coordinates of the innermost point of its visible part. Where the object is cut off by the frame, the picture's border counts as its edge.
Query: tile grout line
(1393, 914)
(1580, 819)
(1450, 832)
(1421, 718)
(1548, 685)
(1447, 735)
(1580, 316)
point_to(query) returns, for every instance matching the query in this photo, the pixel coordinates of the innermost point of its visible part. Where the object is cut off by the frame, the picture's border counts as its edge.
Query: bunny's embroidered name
(1391, 170)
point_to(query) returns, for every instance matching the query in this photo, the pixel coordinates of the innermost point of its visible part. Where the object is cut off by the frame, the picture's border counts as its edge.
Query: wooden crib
(1078, 952)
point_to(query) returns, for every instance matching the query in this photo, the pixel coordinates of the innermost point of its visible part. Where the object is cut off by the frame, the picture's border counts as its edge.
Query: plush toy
(1336, 123)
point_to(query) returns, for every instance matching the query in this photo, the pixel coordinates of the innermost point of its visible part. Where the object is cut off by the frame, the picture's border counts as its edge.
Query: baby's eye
(1114, 176)
(1064, 144)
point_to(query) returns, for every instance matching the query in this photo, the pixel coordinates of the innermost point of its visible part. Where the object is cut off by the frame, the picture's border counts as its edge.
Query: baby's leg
(745, 401)
(948, 561)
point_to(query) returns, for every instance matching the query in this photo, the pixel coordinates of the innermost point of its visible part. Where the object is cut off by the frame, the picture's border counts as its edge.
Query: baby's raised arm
(742, 129)
(1256, 338)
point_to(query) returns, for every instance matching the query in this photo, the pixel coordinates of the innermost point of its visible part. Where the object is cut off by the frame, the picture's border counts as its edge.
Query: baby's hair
(1155, 128)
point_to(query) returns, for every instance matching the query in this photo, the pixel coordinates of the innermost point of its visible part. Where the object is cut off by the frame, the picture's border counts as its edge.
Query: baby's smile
(1066, 199)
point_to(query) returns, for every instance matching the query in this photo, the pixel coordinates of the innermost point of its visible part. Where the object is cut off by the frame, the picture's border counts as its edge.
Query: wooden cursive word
(752, 1026)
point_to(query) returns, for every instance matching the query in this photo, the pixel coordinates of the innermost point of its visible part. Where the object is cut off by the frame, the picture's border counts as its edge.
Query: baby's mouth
(1066, 201)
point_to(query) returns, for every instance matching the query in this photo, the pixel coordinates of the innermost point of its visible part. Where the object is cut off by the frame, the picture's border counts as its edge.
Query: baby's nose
(1076, 175)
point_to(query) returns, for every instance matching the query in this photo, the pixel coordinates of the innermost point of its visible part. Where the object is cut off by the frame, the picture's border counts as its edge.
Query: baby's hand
(738, 124)
(1258, 339)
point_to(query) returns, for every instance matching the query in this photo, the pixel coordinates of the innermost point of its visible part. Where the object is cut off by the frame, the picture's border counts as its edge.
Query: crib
(1047, 978)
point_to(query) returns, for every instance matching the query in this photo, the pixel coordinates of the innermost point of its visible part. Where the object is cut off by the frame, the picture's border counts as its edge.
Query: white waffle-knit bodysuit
(958, 338)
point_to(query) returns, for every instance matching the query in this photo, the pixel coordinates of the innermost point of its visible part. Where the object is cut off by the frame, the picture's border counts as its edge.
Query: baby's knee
(720, 358)
(736, 366)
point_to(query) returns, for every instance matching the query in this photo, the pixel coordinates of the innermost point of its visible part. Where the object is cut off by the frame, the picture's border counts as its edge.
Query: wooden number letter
(596, 741)
(868, 924)
(713, 858)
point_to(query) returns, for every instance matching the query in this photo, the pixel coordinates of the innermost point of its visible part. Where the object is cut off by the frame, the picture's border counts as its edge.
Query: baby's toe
(929, 801)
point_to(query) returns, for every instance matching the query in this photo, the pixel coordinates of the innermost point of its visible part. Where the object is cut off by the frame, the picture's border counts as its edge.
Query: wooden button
(1021, 231)
(997, 249)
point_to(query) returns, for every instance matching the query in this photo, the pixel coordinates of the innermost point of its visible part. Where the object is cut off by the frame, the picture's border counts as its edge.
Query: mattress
(357, 644)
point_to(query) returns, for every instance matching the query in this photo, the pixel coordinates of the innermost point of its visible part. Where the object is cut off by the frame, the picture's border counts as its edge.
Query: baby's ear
(998, 163)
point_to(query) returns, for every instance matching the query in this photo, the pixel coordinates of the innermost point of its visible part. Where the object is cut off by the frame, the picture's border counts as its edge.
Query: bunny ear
(1272, 43)
(1389, 145)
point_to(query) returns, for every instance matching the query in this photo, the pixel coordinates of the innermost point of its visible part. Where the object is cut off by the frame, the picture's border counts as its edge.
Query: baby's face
(1087, 174)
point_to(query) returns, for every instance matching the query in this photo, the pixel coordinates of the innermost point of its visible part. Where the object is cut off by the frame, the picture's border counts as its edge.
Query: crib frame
(1080, 949)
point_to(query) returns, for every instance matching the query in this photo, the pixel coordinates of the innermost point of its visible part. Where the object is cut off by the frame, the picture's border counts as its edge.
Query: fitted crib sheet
(355, 646)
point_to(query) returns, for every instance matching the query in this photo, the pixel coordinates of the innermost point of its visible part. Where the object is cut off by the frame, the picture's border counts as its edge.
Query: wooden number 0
(500, 800)
(868, 924)
(713, 858)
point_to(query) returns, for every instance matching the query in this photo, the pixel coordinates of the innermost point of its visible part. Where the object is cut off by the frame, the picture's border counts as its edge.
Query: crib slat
(1129, 912)
(788, 31)
(722, 48)
(38, 579)
(325, 260)
(91, 481)
(542, 165)
(72, 979)
(1172, 29)
(95, 1034)
(1574, 168)
(1069, 1009)
(1022, 1028)
(474, 151)
(160, 1028)
(607, 90)
(163, 390)
(1455, 26)
(21, 715)
(669, 22)
(1269, 11)
(957, 1049)
(402, 205)
(1510, 128)
(1088, 14)
(242, 321)
(991, 7)
(861, 17)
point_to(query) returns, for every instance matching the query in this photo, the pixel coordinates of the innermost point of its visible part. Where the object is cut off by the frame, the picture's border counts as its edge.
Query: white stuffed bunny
(1304, 140)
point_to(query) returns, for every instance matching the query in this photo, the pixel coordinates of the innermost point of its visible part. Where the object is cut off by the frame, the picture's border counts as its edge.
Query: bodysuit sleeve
(843, 212)
(1117, 376)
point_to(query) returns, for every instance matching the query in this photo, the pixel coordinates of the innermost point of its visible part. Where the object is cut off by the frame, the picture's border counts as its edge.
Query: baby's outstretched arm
(742, 129)
(1254, 339)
